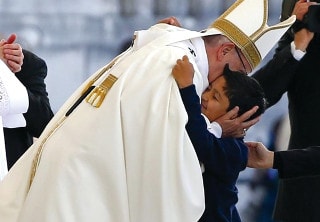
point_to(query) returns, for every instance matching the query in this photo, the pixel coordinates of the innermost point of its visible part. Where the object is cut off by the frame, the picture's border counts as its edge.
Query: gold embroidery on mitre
(242, 41)
(98, 94)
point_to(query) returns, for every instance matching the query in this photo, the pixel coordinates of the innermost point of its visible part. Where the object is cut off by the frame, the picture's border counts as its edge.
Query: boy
(222, 158)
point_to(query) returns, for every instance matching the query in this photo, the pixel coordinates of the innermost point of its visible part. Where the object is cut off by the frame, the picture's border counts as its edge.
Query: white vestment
(13, 102)
(129, 160)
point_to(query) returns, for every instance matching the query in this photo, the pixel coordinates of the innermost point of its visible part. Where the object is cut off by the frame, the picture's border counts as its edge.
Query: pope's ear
(227, 47)
(224, 49)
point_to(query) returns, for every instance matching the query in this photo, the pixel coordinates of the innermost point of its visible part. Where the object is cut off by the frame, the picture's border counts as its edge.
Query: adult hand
(12, 53)
(301, 8)
(302, 39)
(234, 126)
(170, 21)
(259, 156)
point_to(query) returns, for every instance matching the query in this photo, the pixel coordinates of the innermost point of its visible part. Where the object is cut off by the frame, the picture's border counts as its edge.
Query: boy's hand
(183, 72)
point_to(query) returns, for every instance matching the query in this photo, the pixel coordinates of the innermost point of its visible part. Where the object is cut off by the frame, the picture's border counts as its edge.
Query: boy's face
(214, 102)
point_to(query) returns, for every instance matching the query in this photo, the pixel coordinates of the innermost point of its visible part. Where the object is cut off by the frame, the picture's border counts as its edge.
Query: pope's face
(225, 54)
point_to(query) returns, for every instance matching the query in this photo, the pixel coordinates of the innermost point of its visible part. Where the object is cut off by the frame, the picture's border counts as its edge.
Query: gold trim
(103, 88)
(257, 34)
(241, 40)
(98, 94)
(244, 42)
(92, 81)
(36, 160)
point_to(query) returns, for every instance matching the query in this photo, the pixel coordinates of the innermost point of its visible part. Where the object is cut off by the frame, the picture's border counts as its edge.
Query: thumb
(11, 38)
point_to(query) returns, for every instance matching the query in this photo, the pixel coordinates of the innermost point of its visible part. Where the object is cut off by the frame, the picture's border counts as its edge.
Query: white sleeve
(296, 53)
(213, 127)
(13, 98)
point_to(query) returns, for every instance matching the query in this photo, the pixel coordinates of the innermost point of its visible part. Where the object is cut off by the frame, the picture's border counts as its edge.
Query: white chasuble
(13, 102)
(128, 160)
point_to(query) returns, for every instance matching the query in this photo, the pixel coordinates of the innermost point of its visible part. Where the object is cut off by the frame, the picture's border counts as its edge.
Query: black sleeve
(277, 74)
(32, 76)
(297, 162)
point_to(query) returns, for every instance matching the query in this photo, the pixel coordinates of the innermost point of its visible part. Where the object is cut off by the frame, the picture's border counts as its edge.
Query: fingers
(170, 21)
(181, 61)
(185, 58)
(251, 144)
(13, 56)
(232, 114)
(247, 114)
(13, 66)
(237, 126)
(11, 53)
(247, 124)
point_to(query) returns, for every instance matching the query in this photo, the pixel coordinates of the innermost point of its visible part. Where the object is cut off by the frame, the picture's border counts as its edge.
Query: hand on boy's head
(234, 126)
(170, 21)
(183, 72)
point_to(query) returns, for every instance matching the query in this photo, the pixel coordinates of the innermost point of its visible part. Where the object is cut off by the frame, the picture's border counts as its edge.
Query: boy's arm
(209, 149)
(223, 156)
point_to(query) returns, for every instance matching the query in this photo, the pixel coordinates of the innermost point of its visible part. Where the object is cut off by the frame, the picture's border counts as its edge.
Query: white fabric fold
(129, 160)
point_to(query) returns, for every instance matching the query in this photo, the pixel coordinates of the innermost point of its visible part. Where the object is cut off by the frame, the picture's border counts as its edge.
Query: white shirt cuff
(215, 129)
(296, 53)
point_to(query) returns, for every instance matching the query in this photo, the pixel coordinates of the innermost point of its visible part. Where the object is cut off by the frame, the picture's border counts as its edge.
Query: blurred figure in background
(299, 51)
(122, 132)
(14, 97)
(32, 75)
(31, 71)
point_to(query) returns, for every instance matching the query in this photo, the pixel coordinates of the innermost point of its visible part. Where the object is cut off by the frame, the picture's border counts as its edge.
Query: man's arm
(299, 162)
(290, 163)
(275, 77)
(32, 76)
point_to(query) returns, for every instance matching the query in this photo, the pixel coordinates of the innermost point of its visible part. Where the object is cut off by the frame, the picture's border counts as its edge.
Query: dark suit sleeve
(32, 76)
(277, 74)
(297, 162)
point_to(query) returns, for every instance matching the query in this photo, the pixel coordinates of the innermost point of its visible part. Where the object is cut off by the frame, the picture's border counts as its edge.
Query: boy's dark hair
(244, 91)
